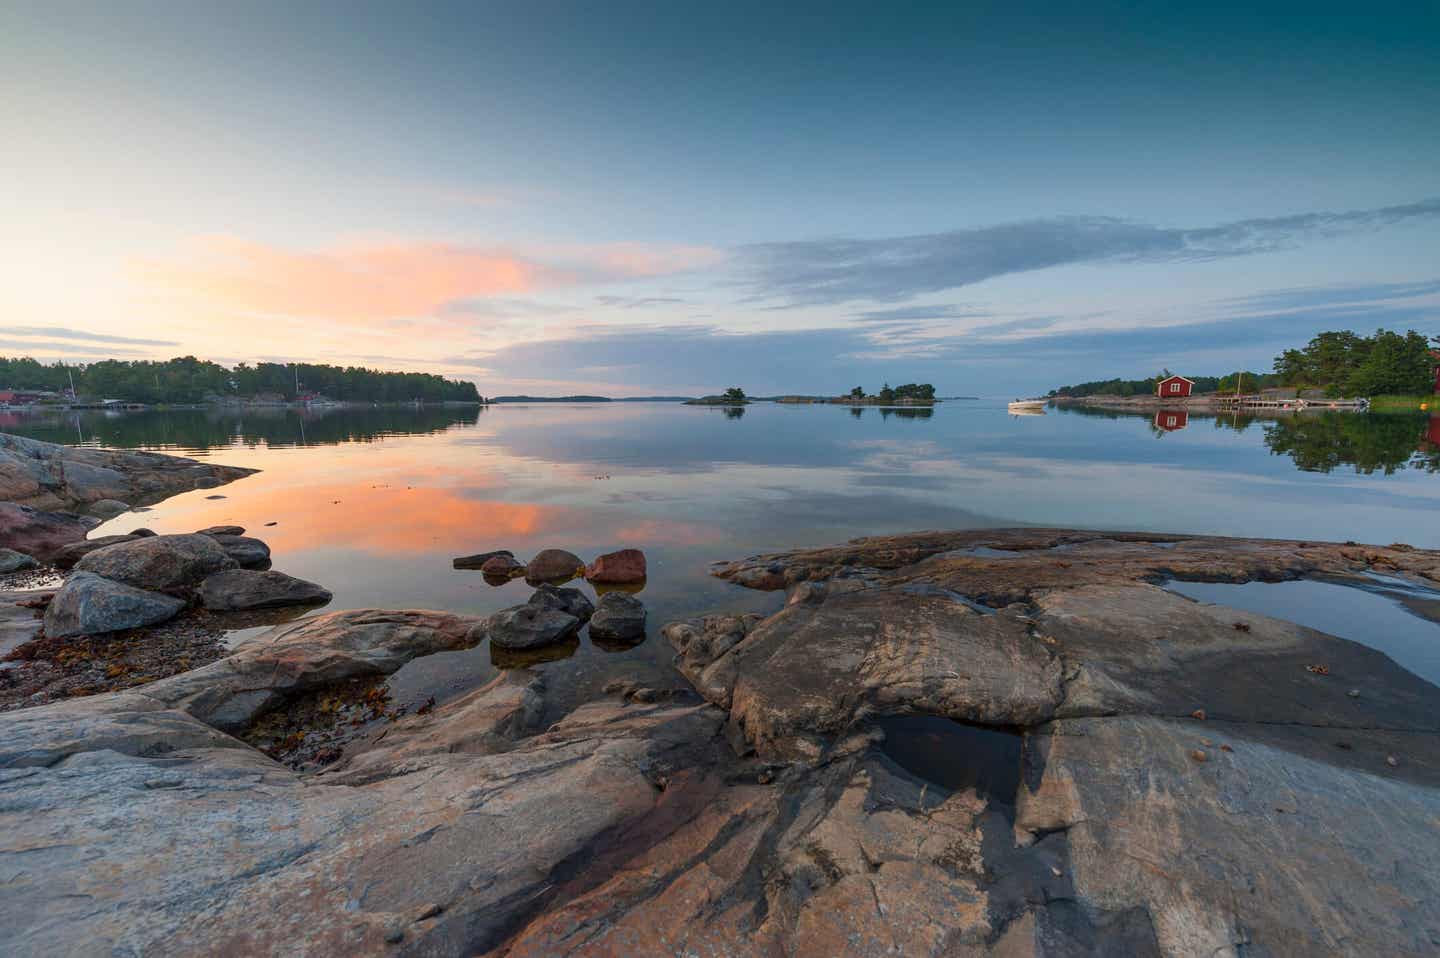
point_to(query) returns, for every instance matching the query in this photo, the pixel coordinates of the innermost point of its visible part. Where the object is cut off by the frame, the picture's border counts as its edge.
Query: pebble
(1353, 693)
(1199, 756)
(1392, 761)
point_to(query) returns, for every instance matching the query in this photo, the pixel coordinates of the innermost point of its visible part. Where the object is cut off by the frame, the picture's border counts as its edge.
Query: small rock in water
(553, 565)
(1392, 761)
(1199, 756)
(502, 567)
(217, 496)
(530, 627)
(625, 567)
(618, 616)
(570, 601)
(143, 533)
(221, 531)
(478, 560)
(248, 553)
(1198, 714)
(1353, 693)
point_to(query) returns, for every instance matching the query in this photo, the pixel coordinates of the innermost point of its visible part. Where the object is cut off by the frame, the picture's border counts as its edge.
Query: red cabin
(1435, 358)
(1174, 387)
(1172, 419)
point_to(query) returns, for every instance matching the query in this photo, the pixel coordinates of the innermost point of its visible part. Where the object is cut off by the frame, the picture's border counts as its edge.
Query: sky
(662, 198)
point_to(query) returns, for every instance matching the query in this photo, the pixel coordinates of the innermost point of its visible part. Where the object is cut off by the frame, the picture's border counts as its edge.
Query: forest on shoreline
(187, 380)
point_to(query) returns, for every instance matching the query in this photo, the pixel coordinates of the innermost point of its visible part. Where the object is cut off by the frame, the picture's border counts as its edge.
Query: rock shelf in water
(767, 814)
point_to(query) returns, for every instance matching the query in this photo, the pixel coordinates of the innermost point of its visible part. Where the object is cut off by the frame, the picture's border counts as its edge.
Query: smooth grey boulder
(108, 508)
(553, 565)
(221, 531)
(237, 590)
(530, 627)
(12, 561)
(66, 556)
(207, 482)
(619, 616)
(570, 601)
(88, 604)
(173, 564)
(247, 552)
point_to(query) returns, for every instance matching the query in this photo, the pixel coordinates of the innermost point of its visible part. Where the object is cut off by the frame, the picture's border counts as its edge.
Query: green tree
(735, 394)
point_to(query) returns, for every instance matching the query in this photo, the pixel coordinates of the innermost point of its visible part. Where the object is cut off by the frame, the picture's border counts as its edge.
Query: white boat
(1027, 407)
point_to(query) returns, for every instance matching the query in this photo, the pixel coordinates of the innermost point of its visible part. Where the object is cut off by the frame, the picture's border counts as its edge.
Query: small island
(910, 394)
(734, 396)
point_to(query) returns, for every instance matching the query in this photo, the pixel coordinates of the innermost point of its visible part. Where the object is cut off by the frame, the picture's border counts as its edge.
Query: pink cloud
(368, 283)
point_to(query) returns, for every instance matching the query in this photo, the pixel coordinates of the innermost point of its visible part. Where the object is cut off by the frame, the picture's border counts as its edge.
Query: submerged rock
(626, 567)
(238, 590)
(88, 604)
(530, 626)
(221, 531)
(570, 601)
(553, 565)
(172, 564)
(619, 617)
(12, 561)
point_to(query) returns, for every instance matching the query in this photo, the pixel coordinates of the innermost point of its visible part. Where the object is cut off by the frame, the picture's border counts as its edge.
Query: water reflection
(199, 430)
(1316, 441)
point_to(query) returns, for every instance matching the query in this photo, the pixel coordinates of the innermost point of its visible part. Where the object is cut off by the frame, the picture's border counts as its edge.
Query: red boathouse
(1174, 387)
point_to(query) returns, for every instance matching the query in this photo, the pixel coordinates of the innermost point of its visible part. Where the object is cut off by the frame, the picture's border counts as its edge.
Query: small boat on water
(1028, 407)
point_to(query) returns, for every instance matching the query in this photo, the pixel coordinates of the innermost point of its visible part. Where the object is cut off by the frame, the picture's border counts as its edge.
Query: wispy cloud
(831, 271)
(68, 350)
(637, 302)
(63, 332)
(379, 282)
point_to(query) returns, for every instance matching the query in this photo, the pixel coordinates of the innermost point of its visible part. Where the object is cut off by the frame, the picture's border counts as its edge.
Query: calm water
(374, 503)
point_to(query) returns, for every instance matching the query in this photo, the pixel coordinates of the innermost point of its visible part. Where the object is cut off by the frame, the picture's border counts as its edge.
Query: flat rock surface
(55, 477)
(1183, 786)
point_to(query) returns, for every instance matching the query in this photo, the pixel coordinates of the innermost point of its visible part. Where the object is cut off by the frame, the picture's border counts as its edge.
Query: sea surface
(374, 503)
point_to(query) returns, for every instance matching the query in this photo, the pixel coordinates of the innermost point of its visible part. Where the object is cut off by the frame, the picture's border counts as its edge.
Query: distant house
(1435, 358)
(1174, 387)
(24, 397)
(1172, 419)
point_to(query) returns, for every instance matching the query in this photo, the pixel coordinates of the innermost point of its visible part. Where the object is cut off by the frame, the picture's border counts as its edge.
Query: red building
(1174, 387)
(1172, 419)
(1435, 357)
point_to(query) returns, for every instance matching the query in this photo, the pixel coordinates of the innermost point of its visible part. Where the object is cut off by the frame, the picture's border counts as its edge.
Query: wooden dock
(1296, 405)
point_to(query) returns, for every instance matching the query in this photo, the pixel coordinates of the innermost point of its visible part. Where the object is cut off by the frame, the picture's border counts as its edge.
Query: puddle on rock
(956, 756)
(1380, 612)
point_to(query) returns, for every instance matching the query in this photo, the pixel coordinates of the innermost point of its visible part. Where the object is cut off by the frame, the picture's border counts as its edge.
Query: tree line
(1348, 364)
(887, 393)
(186, 379)
(1340, 363)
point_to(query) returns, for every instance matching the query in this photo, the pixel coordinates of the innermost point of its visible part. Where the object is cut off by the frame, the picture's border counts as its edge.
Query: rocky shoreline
(1169, 778)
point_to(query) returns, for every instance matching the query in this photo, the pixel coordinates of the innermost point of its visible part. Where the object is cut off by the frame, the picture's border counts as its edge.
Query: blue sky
(633, 198)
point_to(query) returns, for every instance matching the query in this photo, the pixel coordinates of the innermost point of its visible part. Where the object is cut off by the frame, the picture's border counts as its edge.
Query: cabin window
(1174, 387)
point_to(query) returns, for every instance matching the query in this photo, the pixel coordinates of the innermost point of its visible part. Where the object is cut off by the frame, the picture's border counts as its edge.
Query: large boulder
(530, 627)
(171, 564)
(12, 561)
(570, 601)
(619, 617)
(478, 560)
(249, 553)
(626, 567)
(38, 533)
(553, 565)
(66, 556)
(237, 590)
(88, 605)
